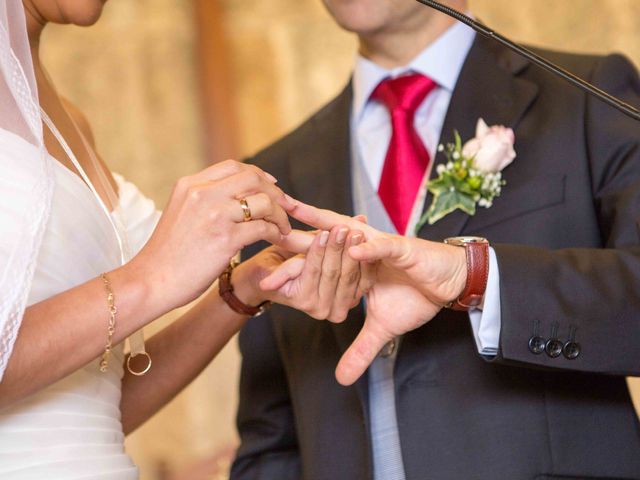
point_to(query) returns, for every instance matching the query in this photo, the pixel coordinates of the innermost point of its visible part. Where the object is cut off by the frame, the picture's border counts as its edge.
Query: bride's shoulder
(80, 120)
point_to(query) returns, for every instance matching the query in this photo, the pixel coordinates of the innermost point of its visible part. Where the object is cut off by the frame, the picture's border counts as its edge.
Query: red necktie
(407, 158)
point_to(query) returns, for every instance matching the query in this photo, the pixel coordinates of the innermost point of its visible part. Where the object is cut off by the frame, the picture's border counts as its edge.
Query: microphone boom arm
(537, 59)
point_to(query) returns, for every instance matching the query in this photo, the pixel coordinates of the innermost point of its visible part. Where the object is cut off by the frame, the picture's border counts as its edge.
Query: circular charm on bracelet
(144, 370)
(246, 211)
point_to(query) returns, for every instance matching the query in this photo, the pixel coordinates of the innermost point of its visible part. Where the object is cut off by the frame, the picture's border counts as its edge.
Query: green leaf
(458, 140)
(448, 201)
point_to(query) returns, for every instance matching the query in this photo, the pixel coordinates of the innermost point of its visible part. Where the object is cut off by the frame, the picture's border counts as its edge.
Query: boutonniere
(472, 175)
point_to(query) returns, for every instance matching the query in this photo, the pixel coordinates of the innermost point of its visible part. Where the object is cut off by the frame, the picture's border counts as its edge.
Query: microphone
(536, 59)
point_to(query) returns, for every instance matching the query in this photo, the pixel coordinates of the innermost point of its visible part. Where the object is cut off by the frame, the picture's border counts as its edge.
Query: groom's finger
(288, 270)
(346, 294)
(331, 271)
(326, 219)
(360, 354)
(310, 277)
(380, 248)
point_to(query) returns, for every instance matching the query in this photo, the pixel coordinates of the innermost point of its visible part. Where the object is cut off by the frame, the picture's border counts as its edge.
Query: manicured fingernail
(356, 239)
(271, 177)
(324, 239)
(342, 235)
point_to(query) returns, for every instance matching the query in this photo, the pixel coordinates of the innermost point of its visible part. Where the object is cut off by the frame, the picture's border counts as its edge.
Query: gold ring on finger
(246, 211)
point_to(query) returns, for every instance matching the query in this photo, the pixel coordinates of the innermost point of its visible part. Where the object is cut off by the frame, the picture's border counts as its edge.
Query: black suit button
(554, 348)
(537, 344)
(571, 350)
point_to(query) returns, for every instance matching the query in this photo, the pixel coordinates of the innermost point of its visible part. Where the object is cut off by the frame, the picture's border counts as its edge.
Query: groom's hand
(309, 271)
(414, 279)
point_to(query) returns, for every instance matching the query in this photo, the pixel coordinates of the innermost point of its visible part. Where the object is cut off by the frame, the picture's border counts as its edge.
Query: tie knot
(404, 93)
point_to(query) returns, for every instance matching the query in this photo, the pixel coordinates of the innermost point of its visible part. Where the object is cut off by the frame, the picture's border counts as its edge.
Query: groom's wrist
(476, 271)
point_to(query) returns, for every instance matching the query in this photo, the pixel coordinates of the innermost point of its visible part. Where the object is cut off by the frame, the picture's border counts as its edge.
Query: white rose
(492, 148)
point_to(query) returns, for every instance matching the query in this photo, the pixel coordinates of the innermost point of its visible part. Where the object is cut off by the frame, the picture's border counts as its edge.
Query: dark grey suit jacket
(566, 231)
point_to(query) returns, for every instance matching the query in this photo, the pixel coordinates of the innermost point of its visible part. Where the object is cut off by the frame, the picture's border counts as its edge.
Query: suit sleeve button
(571, 350)
(536, 344)
(554, 348)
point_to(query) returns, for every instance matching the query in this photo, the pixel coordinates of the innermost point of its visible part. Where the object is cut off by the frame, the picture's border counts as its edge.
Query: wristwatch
(237, 305)
(477, 252)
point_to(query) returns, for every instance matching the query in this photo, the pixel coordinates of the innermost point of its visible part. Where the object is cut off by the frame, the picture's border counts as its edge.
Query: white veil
(23, 223)
(25, 164)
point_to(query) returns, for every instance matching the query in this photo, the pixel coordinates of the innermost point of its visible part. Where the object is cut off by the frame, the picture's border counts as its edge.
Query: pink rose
(492, 148)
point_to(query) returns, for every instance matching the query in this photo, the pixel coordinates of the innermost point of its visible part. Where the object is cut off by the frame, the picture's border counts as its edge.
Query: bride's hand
(325, 282)
(203, 227)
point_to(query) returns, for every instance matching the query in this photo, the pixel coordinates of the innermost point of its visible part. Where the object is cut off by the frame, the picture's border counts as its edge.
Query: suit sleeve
(589, 297)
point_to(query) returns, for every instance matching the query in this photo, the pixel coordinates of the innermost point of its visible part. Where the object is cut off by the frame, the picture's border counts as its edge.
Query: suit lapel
(487, 88)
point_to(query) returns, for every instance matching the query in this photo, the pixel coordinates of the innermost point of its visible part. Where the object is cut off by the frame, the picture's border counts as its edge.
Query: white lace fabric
(23, 221)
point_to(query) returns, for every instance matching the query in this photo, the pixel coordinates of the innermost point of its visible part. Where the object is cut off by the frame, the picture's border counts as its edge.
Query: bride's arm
(199, 231)
(328, 285)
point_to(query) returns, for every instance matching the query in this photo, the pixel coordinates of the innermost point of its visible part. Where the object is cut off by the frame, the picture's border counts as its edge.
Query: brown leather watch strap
(477, 274)
(237, 305)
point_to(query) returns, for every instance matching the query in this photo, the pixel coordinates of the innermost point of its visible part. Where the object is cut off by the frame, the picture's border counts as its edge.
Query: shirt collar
(441, 61)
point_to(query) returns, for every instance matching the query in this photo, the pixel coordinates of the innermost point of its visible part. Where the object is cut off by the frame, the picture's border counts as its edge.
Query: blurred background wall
(173, 85)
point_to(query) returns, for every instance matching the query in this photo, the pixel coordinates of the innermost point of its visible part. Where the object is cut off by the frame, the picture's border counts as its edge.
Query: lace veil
(22, 224)
(26, 165)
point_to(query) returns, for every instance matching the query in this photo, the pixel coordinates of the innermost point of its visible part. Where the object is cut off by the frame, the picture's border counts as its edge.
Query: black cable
(537, 59)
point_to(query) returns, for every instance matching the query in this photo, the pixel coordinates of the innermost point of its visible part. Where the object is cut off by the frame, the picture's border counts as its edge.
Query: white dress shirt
(371, 134)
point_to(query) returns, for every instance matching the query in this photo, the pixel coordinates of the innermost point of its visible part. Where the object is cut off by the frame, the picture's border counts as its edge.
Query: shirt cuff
(486, 320)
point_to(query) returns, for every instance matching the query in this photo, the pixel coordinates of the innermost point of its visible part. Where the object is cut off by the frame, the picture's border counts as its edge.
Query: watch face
(459, 241)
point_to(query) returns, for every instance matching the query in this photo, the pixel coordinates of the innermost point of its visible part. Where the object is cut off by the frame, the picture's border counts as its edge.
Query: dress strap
(136, 340)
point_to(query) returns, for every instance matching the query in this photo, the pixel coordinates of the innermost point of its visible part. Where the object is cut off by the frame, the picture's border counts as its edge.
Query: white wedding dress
(71, 430)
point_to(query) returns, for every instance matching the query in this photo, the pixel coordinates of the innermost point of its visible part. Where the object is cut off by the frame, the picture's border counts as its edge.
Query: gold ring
(144, 370)
(246, 211)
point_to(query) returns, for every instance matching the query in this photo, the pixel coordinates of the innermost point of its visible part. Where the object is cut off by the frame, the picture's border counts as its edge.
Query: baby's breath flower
(460, 180)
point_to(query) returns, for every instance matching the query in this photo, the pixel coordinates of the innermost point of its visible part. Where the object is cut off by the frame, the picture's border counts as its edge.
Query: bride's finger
(251, 232)
(249, 182)
(228, 168)
(298, 241)
(288, 270)
(260, 207)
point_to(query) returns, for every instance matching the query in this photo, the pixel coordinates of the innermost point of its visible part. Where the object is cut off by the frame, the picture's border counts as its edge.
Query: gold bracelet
(111, 301)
